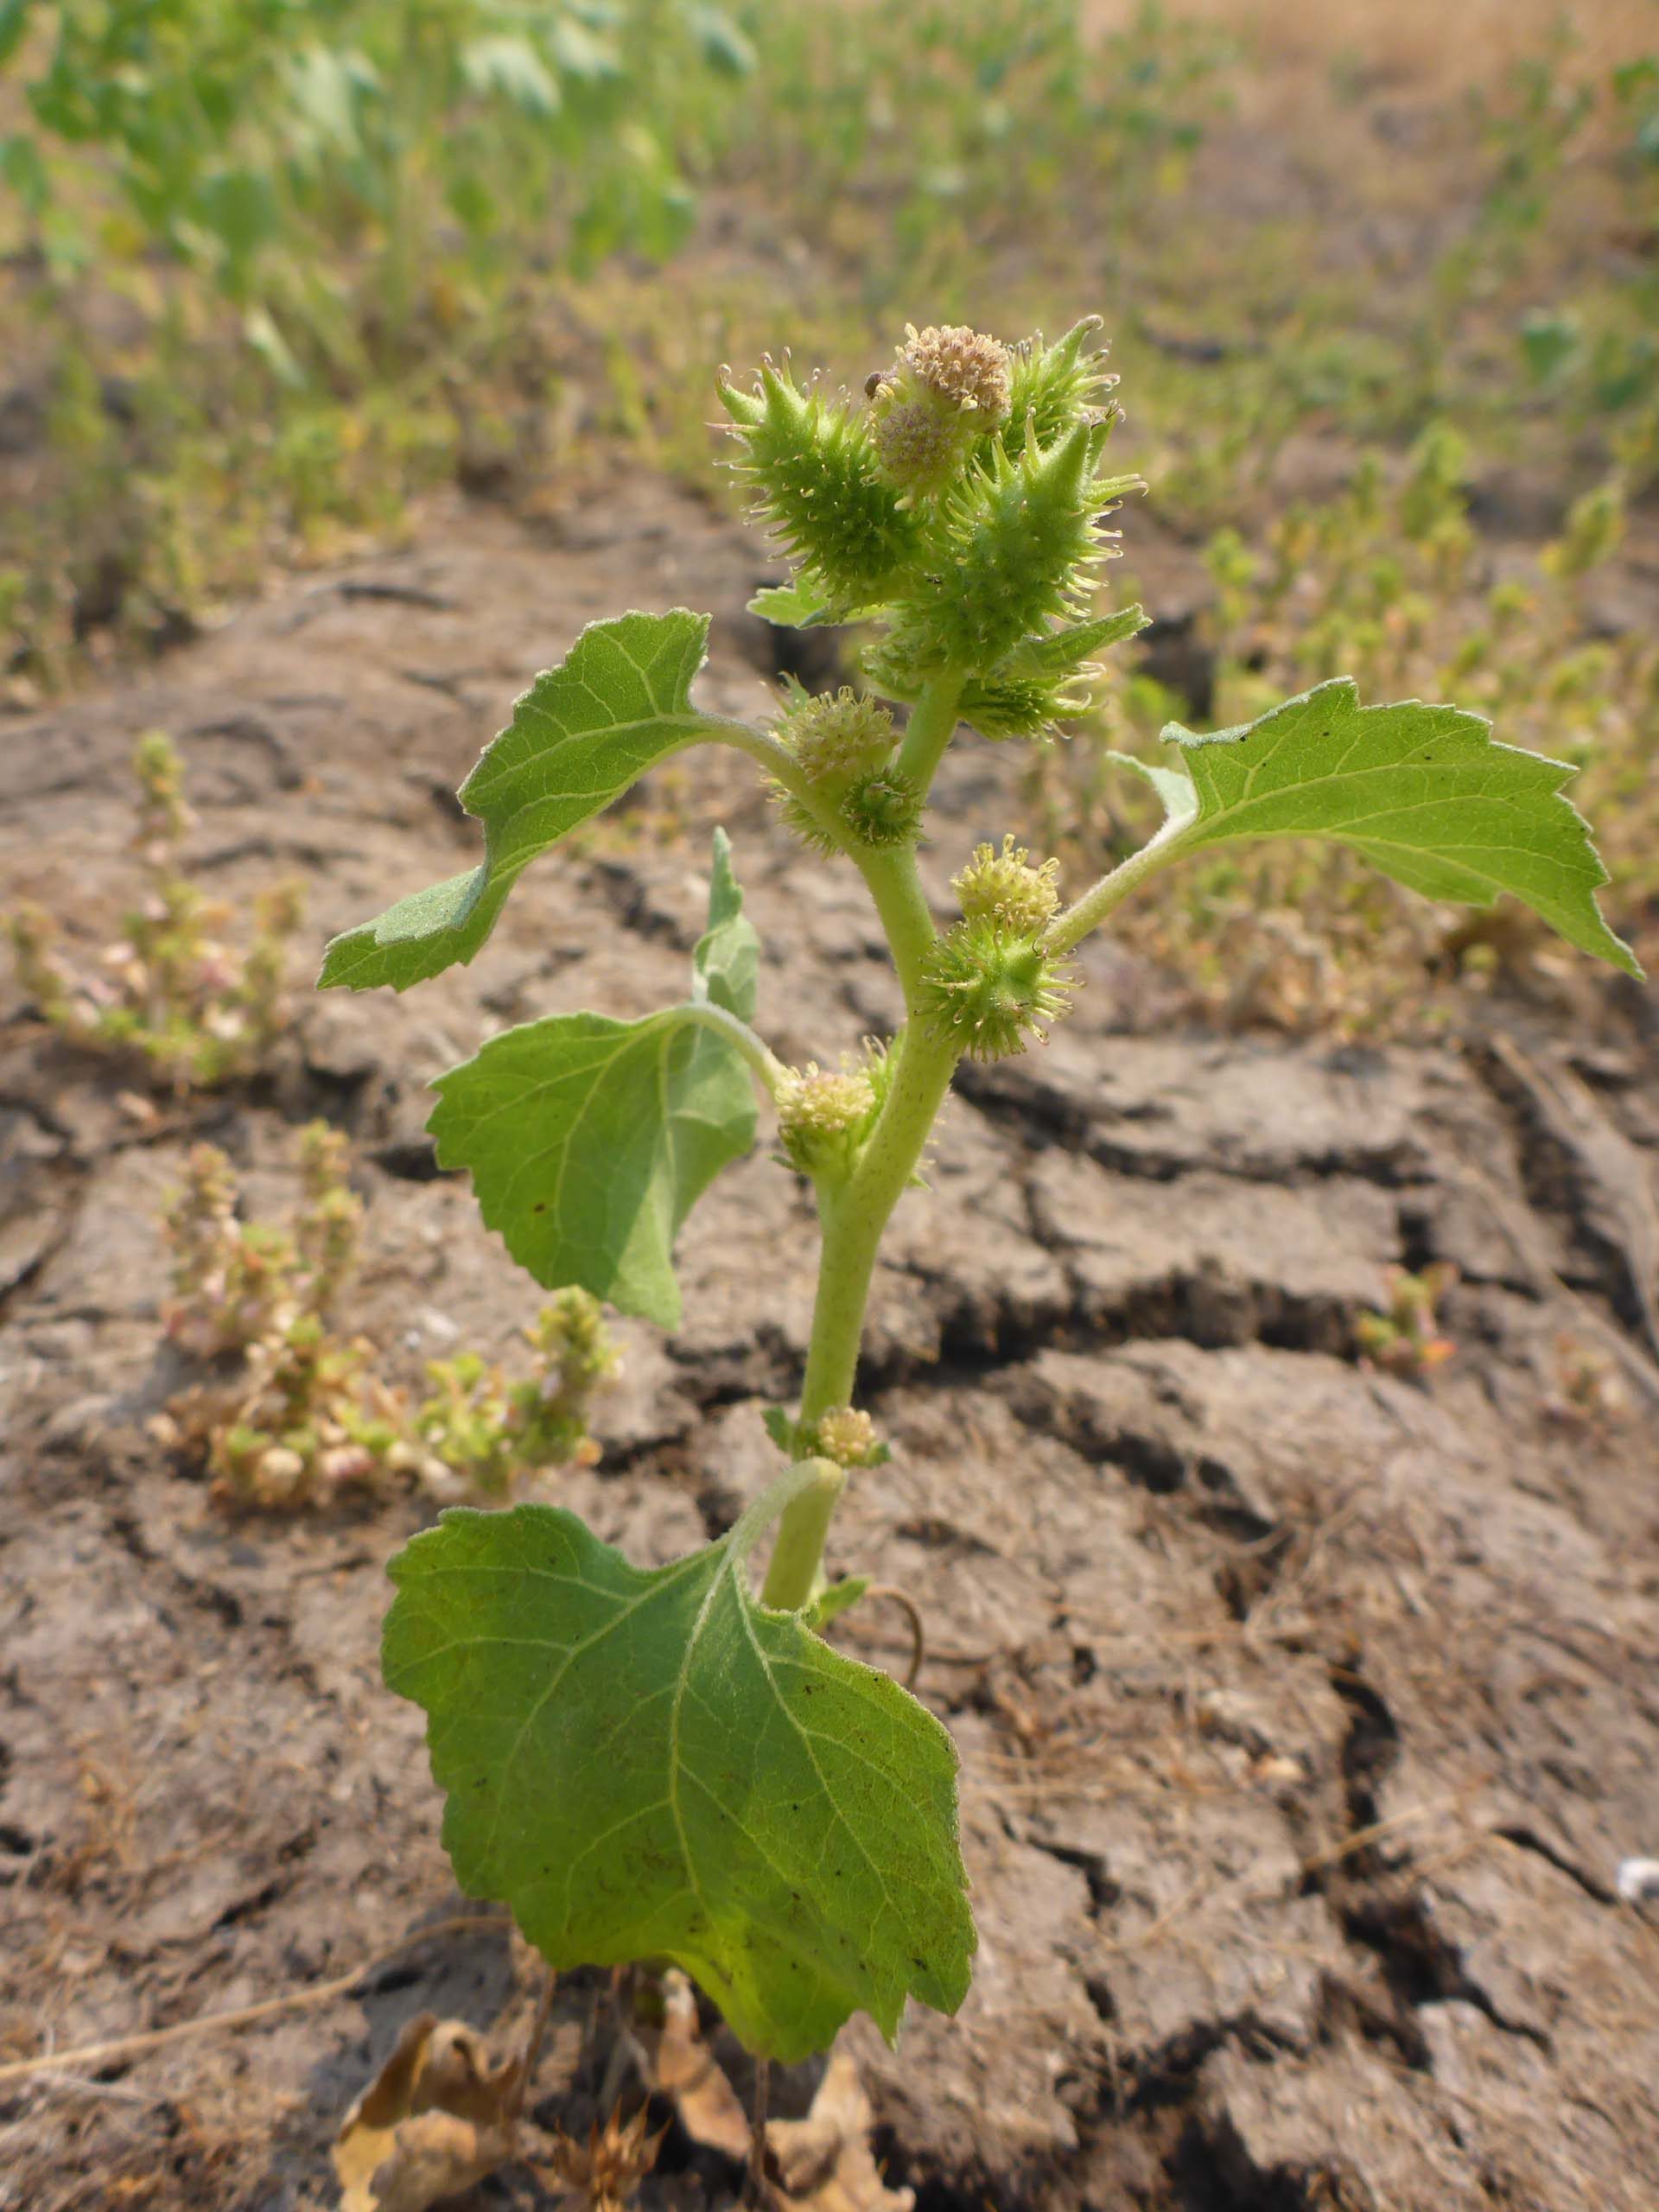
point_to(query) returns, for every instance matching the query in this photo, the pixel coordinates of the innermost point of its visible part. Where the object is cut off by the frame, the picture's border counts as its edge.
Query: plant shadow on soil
(1306, 1713)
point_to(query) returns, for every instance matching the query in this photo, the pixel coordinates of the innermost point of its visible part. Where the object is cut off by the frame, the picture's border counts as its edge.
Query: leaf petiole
(1084, 915)
(762, 1060)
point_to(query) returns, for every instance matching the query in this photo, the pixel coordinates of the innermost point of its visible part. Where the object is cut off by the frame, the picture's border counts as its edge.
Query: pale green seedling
(662, 1764)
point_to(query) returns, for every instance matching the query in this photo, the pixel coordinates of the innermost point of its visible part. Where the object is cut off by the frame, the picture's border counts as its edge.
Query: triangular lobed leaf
(589, 1141)
(584, 732)
(650, 1764)
(1424, 792)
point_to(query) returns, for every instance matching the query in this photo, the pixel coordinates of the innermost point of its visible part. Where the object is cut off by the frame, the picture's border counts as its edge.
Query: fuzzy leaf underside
(584, 732)
(1423, 793)
(589, 1141)
(649, 1765)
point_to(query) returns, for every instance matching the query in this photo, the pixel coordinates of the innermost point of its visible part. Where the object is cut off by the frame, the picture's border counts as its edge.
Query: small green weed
(298, 1414)
(1405, 1339)
(172, 989)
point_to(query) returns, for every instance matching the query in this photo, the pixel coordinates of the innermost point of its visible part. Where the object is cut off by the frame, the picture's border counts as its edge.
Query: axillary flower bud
(823, 1117)
(948, 388)
(838, 740)
(836, 735)
(992, 987)
(883, 808)
(1003, 887)
(848, 1436)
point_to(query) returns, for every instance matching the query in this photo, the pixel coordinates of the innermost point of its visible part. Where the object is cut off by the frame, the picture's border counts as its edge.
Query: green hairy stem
(855, 1218)
(1103, 898)
(776, 1819)
(932, 724)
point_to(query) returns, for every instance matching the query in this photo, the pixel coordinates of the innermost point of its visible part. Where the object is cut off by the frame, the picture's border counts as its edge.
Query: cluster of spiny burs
(958, 510)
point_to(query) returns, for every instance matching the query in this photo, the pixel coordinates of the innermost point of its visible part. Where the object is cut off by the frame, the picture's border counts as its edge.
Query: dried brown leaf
(436, 2118)
(680, 2065)
(824, 2163)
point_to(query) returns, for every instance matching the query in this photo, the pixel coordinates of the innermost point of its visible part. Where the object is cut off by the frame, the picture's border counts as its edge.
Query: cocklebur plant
(665, 1764)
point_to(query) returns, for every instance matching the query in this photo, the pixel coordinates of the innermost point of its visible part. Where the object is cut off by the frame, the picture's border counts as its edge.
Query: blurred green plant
(280, 264)
(482, 1428)
(1406, 1338)
(954, 117)
(411, 313)
(338, 169)
(1529, 120)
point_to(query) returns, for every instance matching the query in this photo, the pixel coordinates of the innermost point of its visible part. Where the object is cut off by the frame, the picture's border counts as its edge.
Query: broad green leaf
(240, 207)
(589, 1139)
(325, 86)
(14, 22)
(727, 50)
(1423, 793)
(726, 966)
(650, 1764)
(582, 53)
(23, 170)
(584, 732)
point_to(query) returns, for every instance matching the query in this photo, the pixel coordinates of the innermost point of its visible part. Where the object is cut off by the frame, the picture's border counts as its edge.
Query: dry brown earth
(1305, 1714)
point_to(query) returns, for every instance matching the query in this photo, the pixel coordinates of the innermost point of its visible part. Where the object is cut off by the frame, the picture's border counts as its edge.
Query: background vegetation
(278, 270)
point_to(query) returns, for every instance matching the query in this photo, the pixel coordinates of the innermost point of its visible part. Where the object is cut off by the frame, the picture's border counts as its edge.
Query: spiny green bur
(657, 1764)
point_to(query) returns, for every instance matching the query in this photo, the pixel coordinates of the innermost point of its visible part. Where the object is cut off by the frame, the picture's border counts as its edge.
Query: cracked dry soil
(1305, 1713)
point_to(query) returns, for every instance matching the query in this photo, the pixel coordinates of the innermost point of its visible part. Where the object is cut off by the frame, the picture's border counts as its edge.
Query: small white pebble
(1638, 1878)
